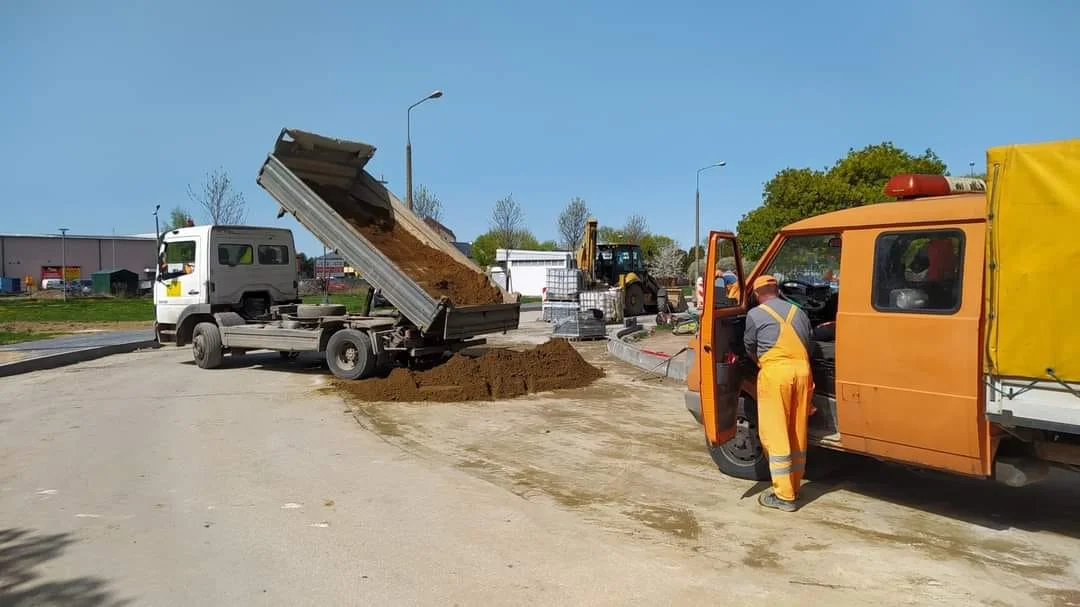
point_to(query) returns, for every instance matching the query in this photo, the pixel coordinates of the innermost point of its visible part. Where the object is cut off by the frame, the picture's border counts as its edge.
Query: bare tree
(506, 222)
(221, 201)
(506, 227)
(668, 262)
(426, 203)
(572, 223)
(635, 230)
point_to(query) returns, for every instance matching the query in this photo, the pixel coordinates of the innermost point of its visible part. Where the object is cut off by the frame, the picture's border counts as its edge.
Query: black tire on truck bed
(206, 346)
(349, 355)
(319, 310)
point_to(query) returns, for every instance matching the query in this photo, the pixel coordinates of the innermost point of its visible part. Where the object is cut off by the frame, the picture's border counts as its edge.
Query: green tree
(609, 235)
(689, 259)
(483, 249)
(524, 239)
(653, 244)
(855, 180)
(306, 265)
(178, 218)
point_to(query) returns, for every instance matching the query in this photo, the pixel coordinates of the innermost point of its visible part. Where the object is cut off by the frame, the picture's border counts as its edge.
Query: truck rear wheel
(349, 355)
(743, 456)
(206, 346)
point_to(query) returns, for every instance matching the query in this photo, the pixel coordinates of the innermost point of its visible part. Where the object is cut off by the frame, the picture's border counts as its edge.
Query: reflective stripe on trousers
(784, 390)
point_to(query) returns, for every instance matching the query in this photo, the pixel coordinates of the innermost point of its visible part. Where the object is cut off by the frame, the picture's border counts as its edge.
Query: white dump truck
(232, 289)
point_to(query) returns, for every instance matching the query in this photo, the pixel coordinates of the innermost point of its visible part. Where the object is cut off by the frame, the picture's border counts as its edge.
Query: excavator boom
(586, 253)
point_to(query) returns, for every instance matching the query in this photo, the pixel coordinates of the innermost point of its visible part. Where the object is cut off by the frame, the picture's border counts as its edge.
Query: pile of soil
(498, 374)
(436, 272)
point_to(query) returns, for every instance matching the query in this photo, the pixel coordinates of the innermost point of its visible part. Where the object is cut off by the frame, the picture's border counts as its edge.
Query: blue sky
(111, 107)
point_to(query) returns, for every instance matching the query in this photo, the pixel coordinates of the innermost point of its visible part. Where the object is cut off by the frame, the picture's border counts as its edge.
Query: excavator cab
(615, 261)
(623, 265)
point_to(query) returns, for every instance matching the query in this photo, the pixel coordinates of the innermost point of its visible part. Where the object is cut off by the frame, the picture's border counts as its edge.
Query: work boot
(769, 500)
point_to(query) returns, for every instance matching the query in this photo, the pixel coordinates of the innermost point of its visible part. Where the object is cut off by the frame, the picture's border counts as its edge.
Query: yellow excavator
(617, 265)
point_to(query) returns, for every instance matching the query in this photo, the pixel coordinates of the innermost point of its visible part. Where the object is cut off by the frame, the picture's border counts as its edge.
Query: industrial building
(41, 256)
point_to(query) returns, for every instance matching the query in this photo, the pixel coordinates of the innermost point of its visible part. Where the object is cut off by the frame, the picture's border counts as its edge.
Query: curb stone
(676, 367)
(52, 361)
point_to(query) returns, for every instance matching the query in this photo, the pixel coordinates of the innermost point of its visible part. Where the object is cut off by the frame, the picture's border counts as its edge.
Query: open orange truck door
(720, 381)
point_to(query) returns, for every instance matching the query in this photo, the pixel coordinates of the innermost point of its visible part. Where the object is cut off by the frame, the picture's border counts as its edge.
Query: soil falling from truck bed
(498, 374)
(439, 274)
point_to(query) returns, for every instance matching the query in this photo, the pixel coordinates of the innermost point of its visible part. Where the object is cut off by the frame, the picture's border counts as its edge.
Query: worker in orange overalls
(732, 283)
(778, 337)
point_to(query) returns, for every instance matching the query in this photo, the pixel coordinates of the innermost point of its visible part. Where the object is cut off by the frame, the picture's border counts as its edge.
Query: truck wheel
(349, 355)
(635, 300)
(743, 456)
(319, 310)
(206, 346)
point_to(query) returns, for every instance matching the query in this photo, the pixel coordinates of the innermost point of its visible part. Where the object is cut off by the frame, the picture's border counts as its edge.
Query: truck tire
(349, 355)
(743, 456)
(206, 346)
(634, 297)
(319, 310)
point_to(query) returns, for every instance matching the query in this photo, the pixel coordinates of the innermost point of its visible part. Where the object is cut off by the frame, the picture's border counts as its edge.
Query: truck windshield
(810, 259)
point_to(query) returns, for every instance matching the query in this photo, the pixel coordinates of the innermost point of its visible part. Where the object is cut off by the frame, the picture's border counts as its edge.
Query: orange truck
(946, 324)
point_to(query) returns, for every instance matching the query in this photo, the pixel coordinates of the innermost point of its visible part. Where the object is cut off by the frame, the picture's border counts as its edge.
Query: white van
(207, 269)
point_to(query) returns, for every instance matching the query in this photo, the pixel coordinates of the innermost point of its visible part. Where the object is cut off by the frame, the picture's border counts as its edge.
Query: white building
(528, 269)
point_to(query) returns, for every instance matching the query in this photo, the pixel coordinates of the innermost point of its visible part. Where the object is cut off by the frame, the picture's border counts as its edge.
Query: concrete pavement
(142, 478)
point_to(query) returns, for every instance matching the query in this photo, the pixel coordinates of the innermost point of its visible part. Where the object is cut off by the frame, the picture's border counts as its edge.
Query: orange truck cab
(947, 324)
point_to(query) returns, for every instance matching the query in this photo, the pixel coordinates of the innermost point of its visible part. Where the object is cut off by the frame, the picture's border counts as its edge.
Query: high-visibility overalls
(784, 390)
(733, 291)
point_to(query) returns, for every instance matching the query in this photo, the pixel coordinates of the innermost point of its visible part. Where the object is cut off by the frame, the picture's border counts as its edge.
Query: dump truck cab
(897, 294)
(207, 269)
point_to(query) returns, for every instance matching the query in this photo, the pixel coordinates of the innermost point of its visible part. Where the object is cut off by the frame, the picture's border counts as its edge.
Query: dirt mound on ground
(436, 272)
(498, 374)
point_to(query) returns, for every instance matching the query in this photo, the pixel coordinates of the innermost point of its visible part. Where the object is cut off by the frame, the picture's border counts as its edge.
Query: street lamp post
(408, 146)
(697, 215)
(63, 261)
(157, 229)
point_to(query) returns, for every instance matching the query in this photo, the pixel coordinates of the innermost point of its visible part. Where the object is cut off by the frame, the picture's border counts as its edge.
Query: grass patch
(76, 309)
(353, 303)
(530, 299)
(14, 337)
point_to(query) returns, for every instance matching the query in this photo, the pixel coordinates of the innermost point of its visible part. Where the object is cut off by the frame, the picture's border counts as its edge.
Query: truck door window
(179, 254)
(726, 277)
(234, 254)
(918, 271)
(273, 255)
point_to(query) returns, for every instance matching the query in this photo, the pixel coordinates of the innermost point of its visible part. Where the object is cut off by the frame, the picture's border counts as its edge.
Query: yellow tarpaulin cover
(1033, 260)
